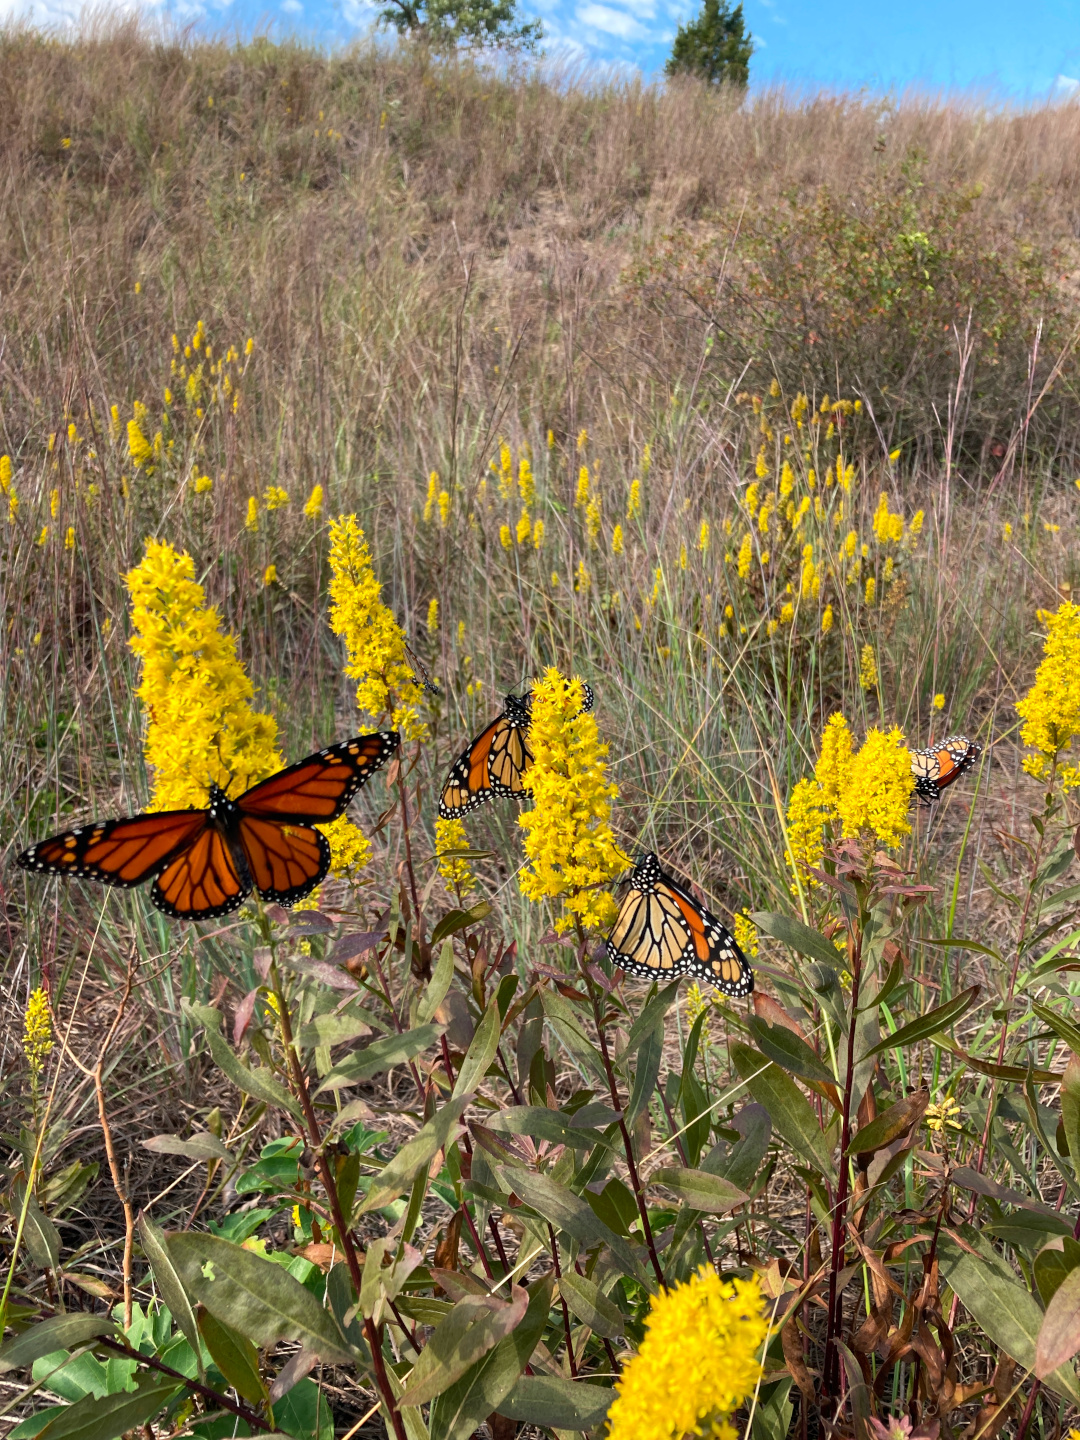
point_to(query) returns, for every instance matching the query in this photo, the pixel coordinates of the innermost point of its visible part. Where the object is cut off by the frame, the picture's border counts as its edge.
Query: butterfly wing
(713, 953)
(507, 761)
(122, 852)
(286, 861)
(203, 881)
(318, 789)
(937, 767)
(468, 784)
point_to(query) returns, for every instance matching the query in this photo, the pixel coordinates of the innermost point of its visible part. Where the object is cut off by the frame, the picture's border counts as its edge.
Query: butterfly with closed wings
(661, 931)
(205, 863)
(494, 763)
(937, 767)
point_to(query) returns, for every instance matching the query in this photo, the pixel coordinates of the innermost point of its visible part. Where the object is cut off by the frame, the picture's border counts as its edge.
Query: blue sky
(1023, 52)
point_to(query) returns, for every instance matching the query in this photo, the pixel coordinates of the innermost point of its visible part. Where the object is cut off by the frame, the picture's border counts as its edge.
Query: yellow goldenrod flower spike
(444, 508)
(617, 540)
(252, 521)
(939, 702)
(449, 836)
(270, 575)
(1051, 708)
(203, 484)
(275, 497)
(697, 1363)
(582, 496)
(139, 448)
(871, 590)
(54, 503)
(703, 537)
(5, 474)
(374, 640)
(37, 1039)
(523, 530)
(43, 538)
(506, 537)
(569, 845)
(746, 934)
(942, 1116)
(69, 538)
(633, 504)
(538, 534)
(433, 616)
(314, 504)
(432, 496)
(826, 619)
(868, 674)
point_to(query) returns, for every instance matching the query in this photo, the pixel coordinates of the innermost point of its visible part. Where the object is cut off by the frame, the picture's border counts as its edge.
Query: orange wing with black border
(937, 767)
(318, 789)
(121, 852)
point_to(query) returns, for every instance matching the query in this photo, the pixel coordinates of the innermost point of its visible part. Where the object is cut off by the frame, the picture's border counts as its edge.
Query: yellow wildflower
(270, 575)
(697, 1363)
(313, 505)
(746, 935)
(875, 791)
(444, 508)
(593, 519)
(350, 849)
(761, 466)
(249, 346)
(37, 1040)
(554, 579)
(433, 616)
(526, 484)
(551, 439)
(868, 676)
(538, 534)
(583, 580)
(750, 499)
(683, 557)
(432, 496)
(617, 540)
(938, 702)
(252, 521)
(506, 470)
(787, 479)
(633, 504)
(54, 503)
(69, 538)
(703, 537)
(203, 484)
(506, 536)
(696, 1004)
(275, 497)
(746, 555)
(834, 761)
(826, 619)
(582, 496)
(373, 639)
(871, 589)
(570, 849)
(139, 448)
(43, 538)
(787, 613)
(450, 836)
(582, 439)
(524, 527)
(13, 507)
(942, 1116)
(1051, 708)
(201, 728)
(5, 474)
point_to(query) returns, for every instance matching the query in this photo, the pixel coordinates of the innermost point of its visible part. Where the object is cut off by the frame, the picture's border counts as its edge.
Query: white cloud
(293, 7)
(1067, 84)
(76, 14)
(611, 22)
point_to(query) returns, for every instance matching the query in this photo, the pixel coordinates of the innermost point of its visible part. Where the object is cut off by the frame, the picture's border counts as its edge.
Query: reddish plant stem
(372, 1332)
(562, 1302)
(682, 1156)
(830, 1379)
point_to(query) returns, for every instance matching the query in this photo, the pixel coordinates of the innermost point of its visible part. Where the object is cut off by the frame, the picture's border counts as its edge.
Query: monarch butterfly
(206, 862)
(496, 760)
(936, 768)
(661, 930)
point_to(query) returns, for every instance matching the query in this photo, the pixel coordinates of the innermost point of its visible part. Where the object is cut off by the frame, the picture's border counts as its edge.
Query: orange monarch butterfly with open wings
(206, 862)
(937, 767)
(496, 760)
(661, 931)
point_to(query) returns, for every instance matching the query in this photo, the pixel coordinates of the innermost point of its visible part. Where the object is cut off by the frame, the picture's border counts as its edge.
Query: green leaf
(333, 1029)
(939, 1018)
(474, 1326)
(592, 1307)
(565, 1021)
(202, 1146)
(543, 1124)
(398, 1176)
(438, 985)
(890, 1124)
(797, 936)
(569, 1212)
(789, 1110)
(786, 1049)
(1059, 1338)
(259, 1083)
(61, 1332)
(957, 942)
(235, 1357)
(741, 1164)
(699, 1189)
(1004, 1309)
(650, 1019)
(380, 1055)
(557, 1403)
(1062, 1028)
(481, 1052)
(105, 1419)
(169, 1285)
(650, 1057)
(254, 1296)
(455, 920)
(40, 1235)
(1069, 896)
(1070, 1110)
(1052, 1266)
(457, 1412)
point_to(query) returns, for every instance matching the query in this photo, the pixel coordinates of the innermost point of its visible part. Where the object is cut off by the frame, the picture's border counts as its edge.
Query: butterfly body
(495, 762)
(205, 863)
(662, 931)
(936, 767)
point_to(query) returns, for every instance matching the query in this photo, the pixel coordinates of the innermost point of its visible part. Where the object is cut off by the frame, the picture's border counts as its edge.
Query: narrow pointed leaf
(61, 1332)
(790, 1051)
(380, 1055)
(939, 1018)
(481, 1052)
(699, 1189)
(557, 1403)
(402, 1170)
(789, 1110)
(170, 1286)
(1059, 1337)
(569, 1212)
(890, 1124)
(471, 1329)
(112, 1415)
(259, 1083)
(235, 1357)
(797, 936)
(203, 1146)
(591, 1306)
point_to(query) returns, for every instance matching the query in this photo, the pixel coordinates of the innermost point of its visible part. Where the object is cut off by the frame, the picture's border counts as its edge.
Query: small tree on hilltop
(483, 24)
(715, 47)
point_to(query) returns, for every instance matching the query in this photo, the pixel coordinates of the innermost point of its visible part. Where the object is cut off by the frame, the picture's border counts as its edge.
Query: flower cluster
(856, 793)
(201, 727)
(374, 640)
(697, 1363)
(450, 839)
(37, 1040)
(1051, 708)
(569, 845)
